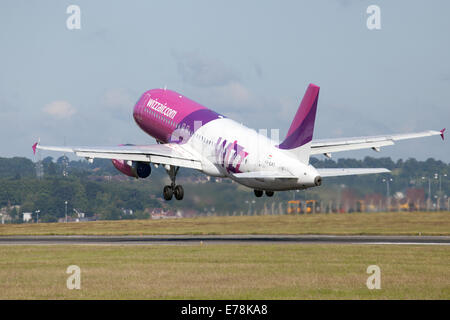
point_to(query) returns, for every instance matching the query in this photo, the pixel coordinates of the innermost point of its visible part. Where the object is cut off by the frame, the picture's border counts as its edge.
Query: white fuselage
(227, 147)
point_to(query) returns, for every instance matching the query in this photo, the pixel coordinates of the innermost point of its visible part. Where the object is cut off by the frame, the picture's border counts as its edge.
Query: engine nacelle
(123, 167)
(136, 169)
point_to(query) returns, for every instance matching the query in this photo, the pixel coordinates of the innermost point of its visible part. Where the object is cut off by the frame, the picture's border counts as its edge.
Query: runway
(223, 239)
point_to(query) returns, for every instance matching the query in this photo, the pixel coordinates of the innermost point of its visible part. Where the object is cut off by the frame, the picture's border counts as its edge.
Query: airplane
(189, 135)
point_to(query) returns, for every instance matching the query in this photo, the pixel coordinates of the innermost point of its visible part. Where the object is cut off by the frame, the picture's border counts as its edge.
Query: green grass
(392, 223)
(289, 271)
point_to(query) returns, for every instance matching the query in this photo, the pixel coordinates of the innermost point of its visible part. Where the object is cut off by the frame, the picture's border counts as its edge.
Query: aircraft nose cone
(318, 181)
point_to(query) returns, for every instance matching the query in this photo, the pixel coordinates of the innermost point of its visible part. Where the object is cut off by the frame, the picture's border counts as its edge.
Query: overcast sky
(249, 60)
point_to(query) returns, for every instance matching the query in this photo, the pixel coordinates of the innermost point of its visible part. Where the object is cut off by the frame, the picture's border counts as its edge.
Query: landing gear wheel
(178, 192)
(269, 193)
(168, 193)
(173, 189)
(258, 193)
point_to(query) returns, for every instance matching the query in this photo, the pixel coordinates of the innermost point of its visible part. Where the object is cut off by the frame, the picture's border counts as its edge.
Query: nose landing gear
(173, 189)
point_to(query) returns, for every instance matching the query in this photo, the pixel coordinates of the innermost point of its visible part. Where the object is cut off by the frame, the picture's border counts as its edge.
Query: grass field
(392, 223)
(232, 271)
(205, 271)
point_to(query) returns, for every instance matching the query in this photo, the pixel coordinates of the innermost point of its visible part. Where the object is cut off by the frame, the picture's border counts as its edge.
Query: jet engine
(142, 169)
(137, 169)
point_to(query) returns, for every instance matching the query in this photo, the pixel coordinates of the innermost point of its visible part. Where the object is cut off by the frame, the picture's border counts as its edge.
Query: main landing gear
(259, 193)
(173, 189)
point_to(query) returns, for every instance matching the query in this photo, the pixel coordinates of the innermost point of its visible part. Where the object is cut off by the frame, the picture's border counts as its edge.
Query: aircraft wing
(170, 154)
(335, 172)
(327, 146)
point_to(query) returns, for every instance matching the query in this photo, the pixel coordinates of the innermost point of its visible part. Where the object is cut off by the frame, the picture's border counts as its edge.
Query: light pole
(429, 193)
(339, 206)
(388, 202)
(436, 176)
(37, 215)
(440, 183)
(65, 202)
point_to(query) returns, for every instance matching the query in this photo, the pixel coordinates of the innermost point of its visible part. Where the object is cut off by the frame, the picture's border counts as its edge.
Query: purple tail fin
(302, 127)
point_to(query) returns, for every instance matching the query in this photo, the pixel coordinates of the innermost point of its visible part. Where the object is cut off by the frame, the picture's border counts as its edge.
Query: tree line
(99, 190)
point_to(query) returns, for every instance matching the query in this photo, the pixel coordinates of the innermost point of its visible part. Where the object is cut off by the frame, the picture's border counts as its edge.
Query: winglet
(442, 133)
(35, 146)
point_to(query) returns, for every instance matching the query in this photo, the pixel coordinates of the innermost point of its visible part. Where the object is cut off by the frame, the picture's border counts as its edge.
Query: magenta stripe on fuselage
(166, 115)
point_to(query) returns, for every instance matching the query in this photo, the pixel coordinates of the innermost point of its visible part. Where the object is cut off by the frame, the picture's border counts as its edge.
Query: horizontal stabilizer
(335, 172)
(263, 175)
